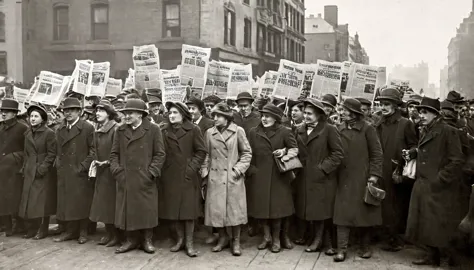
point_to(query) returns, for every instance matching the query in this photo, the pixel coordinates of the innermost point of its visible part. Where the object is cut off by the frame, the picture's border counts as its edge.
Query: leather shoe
(64, 237)
(427, 261)
(29, 235)
(112, 243)
(40, 235)
(82, 240)
(340, 256)
(127, 246)
(104, 241)
(275, 248)
(148, 246)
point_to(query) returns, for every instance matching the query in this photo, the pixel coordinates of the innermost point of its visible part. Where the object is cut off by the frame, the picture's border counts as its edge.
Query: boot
(223, 241)
(33, 226)
(302, 227)
(91, 228)
(394, 243)
(115, 239)
(266, 236)
(130, 243)
(318, 236)
(328, 239)
(189, 232)
(467, 224)
(433, 258)
(43, 229)
(7, 222)
(71, 232)
(342, 242)
(18, 225)
(84, 226)
(236, 241)
(285, 238)
(276, 230)
(148, 242)
(180, 233)
(365, 250)
(106, 239)
(213, 237)
(252, 227)
(60, 229)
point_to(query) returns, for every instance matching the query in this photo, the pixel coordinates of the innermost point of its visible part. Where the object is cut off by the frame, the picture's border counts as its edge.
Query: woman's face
(101, 115)
(175, 116)
(296, 114)
(35, 118)
(219, 120)
(347, 115)
(268, 120)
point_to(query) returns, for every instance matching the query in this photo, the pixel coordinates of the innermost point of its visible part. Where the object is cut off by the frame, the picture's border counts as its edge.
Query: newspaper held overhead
(114, 87)
(362, 81)
(81, 76)
(217, 79)
(20, 95)
(172, 90)
(309, 72)
(267, 83)
(290, 80)
(327, 79)
(194, 65)
(240, 80)
(130, 80)
(255, 86)
(381, 77)
(98, 80)
(346, 70)
(146, 62)
(50, 89)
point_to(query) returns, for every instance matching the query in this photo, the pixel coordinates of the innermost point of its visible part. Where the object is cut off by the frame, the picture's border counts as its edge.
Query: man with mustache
(396, 134)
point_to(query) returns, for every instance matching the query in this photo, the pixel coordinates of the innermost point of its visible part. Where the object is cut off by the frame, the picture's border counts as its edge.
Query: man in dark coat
(198, 111)
(76, 151)
(366, 107)
(431, 220)
(209, 103)
(395, 134)
(247, 118)
(154, 105)
(330, 102)
(12, 141)
(136, 160)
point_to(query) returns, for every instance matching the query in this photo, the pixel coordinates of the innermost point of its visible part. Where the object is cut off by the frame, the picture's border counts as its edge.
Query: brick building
(11, 63)
(461, 58)
(249, 31)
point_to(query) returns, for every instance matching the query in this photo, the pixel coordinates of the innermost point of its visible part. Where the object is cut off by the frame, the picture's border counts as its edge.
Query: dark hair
(321, 116)
(299, 105)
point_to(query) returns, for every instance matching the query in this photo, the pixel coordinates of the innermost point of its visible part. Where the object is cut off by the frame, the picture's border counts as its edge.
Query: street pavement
(18, 253)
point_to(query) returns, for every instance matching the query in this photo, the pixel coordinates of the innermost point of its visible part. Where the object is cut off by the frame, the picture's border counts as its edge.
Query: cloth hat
(330, 100)
(244, 96)
(154, 92)
(9, 104)
(212, 99)
(455, 97)
(223, 109)
(181, 107)
(154, 99)
(72, 103)
(137, 105)
(107, 106)
(364, 101)
(110, 97)
(390, 94)
(40, 109)
(273, 110)
(292, 103)
(196, 101)
(315, 103)
(89, 109)
(446, 105)
(430, 104)
(414, 99)
(353, 105)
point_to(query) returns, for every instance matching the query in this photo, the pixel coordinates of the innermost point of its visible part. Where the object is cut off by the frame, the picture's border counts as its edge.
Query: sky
(402, 32)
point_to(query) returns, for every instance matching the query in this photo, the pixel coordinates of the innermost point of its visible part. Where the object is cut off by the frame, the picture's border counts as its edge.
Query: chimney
(330, 15)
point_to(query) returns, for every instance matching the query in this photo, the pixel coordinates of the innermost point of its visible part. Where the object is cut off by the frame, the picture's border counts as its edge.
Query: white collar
(197, 121)
(74, 123)
(134, 128)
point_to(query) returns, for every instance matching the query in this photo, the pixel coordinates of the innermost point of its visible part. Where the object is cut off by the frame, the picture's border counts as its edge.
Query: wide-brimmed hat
(154, 100)
(107, 106)
(212, 99)
(223, 109)
(154, 92)
(330, 100)
(315, 103)
(273, 110)
(71, 103)
(431, 104)
(181, 107)
(10, 105)
(353, 105)
(446, 105)
(364, 101)
(390, 94)
(455, 97)
(414, 99)
(196, 101)
(136, 105)
(40, 109)
(244, 96)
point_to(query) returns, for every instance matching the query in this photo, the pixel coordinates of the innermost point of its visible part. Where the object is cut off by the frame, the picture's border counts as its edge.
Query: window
(247, 2)
(171, 23)
(302, 53)
(61, 23)
(247, 33)
(100, 22)
(3, 63)
(270, 41)
(2, 27)
(277, 43)
(261, 37)
(261, 3)
(276, 5)
(229, 28)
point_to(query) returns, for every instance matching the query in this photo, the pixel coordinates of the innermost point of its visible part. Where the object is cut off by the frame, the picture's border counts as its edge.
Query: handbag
(373, 196)
(286, 166)
(409, 170)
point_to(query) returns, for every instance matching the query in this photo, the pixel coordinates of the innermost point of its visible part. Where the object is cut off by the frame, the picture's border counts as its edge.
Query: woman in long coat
(361, 165)
(269, 196)
(180, 184)
(433, 218)
(228, 158)
(320, 151)
(103, 202)
(38, 200)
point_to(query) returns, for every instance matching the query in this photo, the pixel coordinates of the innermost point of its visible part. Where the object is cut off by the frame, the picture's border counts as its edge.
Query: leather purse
(286, 166)
(373, 196)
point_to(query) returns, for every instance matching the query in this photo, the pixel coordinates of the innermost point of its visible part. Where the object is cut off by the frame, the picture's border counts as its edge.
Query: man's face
(458, 107)
(310, 115)
(347, 115)
(328, 109)
(426, 117)
(155, 108)
(366, 110)
(8, 114)
(132, 117)
(388, 108)
(412, 110)
(194, 110)
(209, 106)
(71, 115)
(245, 107)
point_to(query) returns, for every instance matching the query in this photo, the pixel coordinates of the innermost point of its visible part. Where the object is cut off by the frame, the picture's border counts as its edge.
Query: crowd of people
(312, 172)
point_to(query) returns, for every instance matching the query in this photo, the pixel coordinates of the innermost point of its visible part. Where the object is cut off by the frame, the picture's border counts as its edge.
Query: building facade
(418, 75)
(443, 82)
(257, 32)
(357, 53)
(11, 62)
(461, 58)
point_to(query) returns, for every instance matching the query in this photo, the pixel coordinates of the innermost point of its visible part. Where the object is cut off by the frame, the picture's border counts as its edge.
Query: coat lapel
(29, 139)
(217, 136)
(302, 134)
(316, 132)
(139, 132)
(73, 132)
(262, 134)
(431, 134)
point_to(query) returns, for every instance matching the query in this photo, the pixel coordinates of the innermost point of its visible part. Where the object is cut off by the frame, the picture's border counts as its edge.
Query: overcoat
(205, 124)
(228, 152)
(38, 198)
(395, 134)
(247, 123)
(320, 153)
(136, 160)
(75, 154)
(12, 143)
(180, 185)
(363, 158)
(269, 192)
(432, 220)
(103, 202)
